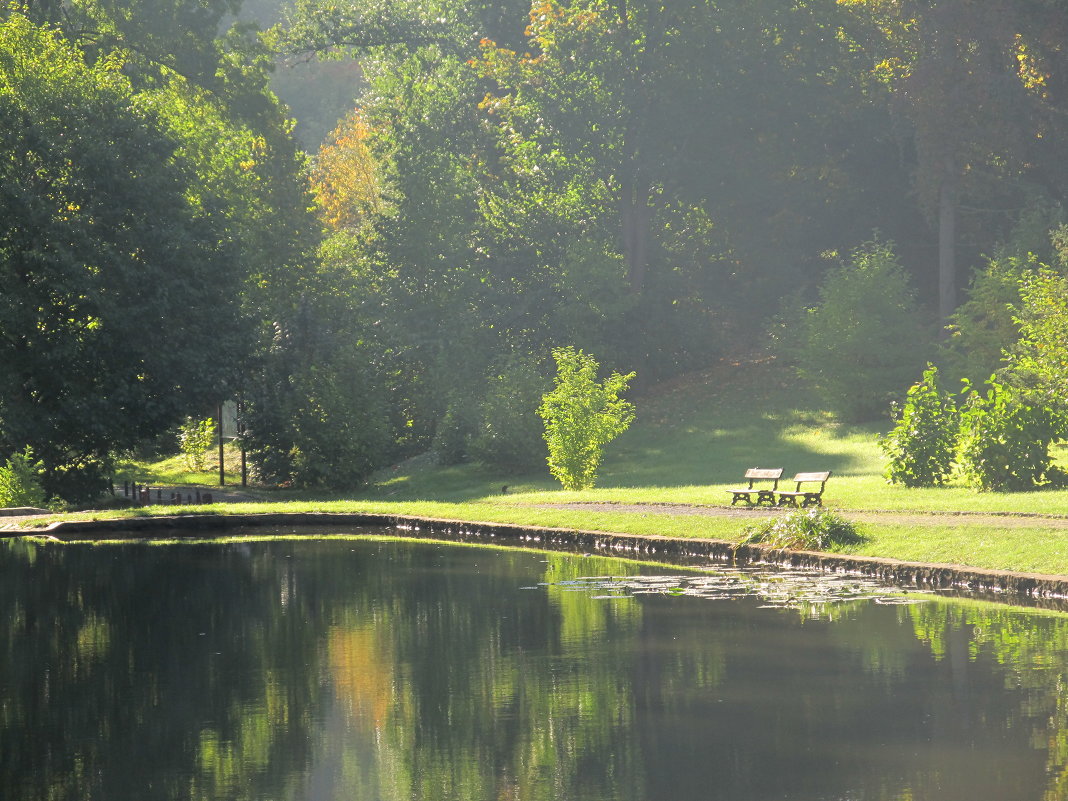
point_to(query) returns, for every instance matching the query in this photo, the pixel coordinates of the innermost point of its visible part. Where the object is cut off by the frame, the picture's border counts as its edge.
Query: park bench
(757, 495)
(806, 497)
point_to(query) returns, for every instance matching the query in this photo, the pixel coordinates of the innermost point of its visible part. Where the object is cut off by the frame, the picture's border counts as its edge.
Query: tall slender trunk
(947, 243)
(635, 218)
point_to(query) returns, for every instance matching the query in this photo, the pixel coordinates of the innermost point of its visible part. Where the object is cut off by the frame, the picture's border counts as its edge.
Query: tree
(582, 416)
(973, 80)
(195, 438)
(345, 179)
(315, 414)
(120, 293)
(864, 339)
(670, 200)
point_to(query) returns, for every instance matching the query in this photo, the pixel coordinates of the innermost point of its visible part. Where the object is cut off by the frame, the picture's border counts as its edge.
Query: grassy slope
(695, 438)
(175, 470)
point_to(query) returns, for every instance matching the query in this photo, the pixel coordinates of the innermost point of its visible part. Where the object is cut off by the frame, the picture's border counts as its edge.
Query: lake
(376, 670)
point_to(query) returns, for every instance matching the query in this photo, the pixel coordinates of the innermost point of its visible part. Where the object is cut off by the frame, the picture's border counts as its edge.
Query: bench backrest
(802, 478)
(764, 472)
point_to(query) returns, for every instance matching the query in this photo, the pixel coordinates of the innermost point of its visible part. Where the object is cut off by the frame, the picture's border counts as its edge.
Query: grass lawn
(692, 439)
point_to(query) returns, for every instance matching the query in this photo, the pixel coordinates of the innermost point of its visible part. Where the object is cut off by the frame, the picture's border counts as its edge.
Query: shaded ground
(235, 494)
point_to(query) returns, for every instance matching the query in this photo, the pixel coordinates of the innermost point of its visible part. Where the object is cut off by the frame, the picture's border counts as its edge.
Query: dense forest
(371, 221)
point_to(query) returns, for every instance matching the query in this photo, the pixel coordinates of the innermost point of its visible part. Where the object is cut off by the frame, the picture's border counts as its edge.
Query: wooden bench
(800, 497)
(762, 495)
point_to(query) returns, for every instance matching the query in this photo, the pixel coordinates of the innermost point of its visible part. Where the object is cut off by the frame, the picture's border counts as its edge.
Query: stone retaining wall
(681, 551)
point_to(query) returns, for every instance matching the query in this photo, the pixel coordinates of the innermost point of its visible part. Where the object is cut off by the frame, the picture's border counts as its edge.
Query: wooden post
(222, 464)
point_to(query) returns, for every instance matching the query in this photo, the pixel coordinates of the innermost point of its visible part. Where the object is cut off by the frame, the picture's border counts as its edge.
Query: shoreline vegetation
(650, 485)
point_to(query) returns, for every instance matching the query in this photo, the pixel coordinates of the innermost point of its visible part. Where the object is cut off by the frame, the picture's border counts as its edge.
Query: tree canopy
(132, 224)
(651, 182)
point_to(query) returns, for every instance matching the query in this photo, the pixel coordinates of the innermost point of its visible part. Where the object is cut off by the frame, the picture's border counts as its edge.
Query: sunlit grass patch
(175, 470)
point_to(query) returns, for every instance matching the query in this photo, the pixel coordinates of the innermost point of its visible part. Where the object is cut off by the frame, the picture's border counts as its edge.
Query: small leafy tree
(195, 438)
(1005, 438)
(20, 483)
(581, 416)
(923, 441)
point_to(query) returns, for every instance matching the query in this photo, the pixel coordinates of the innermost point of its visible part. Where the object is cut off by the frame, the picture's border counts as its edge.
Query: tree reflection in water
(372, 669)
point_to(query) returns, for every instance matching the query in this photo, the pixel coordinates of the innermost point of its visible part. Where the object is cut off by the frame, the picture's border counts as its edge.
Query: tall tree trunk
(947, 243)
(635, 218)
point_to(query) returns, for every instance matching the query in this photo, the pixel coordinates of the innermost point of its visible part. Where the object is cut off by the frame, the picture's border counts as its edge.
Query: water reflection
(399, 670)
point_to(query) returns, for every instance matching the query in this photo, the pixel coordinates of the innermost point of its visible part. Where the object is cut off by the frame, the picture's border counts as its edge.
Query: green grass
(694, 439)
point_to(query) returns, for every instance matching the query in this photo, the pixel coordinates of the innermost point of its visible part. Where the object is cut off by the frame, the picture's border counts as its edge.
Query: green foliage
(316, 416)
(509, 434)
(20, 481)
(1040, 357)
(1005, 439)
(865, 338)
(922, 444)
(814, 529)
(122, 286)
(581, 416)
(984, 327)
(195, 438)
(319, 428)
(453, 434)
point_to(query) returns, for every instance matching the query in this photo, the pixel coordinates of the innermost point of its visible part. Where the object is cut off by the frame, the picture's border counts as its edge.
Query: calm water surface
(375, 670)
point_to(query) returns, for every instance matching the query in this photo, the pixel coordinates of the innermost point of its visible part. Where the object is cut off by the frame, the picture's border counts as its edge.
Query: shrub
(923, 441)
(316, 423)
(865, 339)
(452, 436)
(20, 483)
(984, 326)
(1005, 438)
(509, 433)
(195, 438)
(813, 529)
(1040, 356)
(582, 416)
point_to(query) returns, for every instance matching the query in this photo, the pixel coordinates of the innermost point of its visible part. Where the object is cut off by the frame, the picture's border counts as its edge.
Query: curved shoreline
(1000, 584)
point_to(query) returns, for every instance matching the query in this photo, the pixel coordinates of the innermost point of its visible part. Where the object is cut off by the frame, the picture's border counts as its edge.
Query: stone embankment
(1004, 585)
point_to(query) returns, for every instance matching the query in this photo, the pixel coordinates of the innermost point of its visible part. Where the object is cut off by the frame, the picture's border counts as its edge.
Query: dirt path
(861, 515)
